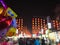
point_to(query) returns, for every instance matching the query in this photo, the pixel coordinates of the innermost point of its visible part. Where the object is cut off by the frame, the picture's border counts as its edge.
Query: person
(27, 41)
(10, 42)
(16, 42)
(31, 41)
(4, 42)
(20, 41)
(37, 42)
(43, 41)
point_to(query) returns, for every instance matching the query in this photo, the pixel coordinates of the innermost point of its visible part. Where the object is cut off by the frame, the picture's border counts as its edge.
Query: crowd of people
(26, 41)
(34, 41)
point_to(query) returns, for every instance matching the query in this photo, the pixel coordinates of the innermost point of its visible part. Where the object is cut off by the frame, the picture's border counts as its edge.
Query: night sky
(30, 8)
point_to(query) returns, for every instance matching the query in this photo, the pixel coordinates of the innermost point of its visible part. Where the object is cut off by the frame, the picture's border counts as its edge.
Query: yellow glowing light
(38, 28)
(32, 27)
(41, 19)
(18, 28)
(54, 25)
(38, 20)
(22, 26)
(1, 10)
(38, 23)
(11, 32)
(32, 23)
(53, 20)
(33, 20)
(56, 21)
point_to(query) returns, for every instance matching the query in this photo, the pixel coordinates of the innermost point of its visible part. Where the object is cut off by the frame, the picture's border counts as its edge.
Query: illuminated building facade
(56, 24)
(21, 27)
(20, 24)
(38, 24)
(35, 25)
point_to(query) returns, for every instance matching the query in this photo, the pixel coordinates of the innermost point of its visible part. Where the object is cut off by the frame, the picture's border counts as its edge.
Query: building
(20, 24)
(38, 24)
(41, 24)
(21, 28)
(56, 24)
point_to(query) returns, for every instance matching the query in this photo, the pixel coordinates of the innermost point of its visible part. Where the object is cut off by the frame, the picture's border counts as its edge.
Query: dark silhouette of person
(43, 41)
